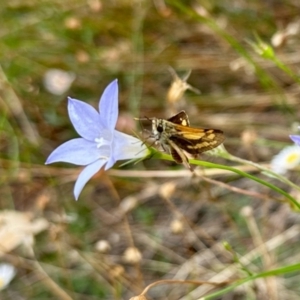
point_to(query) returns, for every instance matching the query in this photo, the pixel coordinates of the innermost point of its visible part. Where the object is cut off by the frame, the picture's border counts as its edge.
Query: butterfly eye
(159, 128)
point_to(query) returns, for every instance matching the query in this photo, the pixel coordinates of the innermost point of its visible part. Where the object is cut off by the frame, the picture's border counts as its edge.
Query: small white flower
(286, 159)
(7, 273)
(58, 81)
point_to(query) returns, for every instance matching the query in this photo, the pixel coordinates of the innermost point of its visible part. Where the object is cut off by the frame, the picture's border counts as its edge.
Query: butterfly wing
(196, 141)
(180, 119)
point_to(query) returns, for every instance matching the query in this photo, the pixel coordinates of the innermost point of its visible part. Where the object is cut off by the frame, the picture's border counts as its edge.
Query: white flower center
(100, 142)
(104, 151)
(293, 158)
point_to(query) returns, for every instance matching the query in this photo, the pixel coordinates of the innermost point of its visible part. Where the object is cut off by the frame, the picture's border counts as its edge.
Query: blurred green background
(253, 99)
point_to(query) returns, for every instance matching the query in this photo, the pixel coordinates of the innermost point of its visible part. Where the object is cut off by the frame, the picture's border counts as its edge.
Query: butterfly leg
(178, 155)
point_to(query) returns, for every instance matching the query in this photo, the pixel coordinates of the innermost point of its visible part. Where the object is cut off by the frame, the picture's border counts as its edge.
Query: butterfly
(176, 136)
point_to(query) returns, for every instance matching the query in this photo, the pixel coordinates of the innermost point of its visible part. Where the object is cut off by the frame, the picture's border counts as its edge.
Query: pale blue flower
(100, 144)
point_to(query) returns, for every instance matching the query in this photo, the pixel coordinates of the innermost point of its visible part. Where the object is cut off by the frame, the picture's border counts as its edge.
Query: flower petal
(128, 147)
(125, 147)
(108, 106)
(295, 139)
(86, 174)
(79, 152)
(288, 158)
(85, 119)
(110, 163)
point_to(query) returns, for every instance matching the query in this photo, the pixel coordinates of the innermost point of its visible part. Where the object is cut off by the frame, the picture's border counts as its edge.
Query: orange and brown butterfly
(176, 136)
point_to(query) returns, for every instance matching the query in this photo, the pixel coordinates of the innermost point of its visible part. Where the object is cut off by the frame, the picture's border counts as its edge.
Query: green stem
(276, 272)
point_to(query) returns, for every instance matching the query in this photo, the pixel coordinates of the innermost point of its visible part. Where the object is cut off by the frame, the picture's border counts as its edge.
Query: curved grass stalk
(293, 201)
(275, 272)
